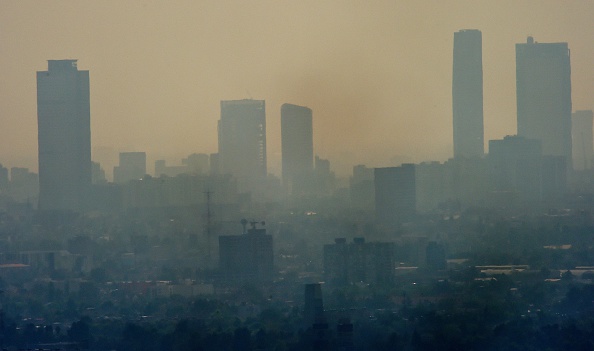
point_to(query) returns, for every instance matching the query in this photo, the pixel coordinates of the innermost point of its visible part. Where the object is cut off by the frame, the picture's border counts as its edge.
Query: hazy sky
(377, 74)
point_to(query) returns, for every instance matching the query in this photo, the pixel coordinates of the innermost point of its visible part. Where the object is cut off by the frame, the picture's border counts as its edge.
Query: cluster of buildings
(67, 174)
(533, 167)
(539, 165)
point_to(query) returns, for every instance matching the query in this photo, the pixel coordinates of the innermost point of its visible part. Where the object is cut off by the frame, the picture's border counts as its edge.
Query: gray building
(467, 94)
(395, 194)
(361, 187)
(247, 257)
(64, 136)
(515, 166)
(543, 89)
(313, 310)
(582, 139)
(297, 148)
(242, 141)
(132, 166)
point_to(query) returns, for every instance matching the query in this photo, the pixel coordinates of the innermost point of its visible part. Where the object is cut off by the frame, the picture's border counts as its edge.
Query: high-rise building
(247, 257)
(313, 310)
(297, 147)
(467, 94)
(582, 139)
(242, 141)
(543, 89)
(64, 136)
(395, 193)
(132, 166)
(515, 168)
(361, 187)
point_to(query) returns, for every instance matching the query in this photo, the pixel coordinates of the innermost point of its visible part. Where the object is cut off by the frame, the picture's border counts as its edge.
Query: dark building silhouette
(543, 89)
(467, 94)
(314, 317)
(132, 166)
(297, 147)
(582, 139)
(64, 136)
(313, 310)
(247, 257)
(395, 194)
(242, 141)
(347, 263)
(344, 335)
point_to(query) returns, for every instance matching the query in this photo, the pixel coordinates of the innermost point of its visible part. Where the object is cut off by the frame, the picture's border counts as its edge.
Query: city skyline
(380, 89)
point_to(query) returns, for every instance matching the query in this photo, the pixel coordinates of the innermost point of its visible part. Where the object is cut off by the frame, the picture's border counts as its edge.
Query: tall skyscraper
(581, 135)
(242, 141)
(467, 94)
(64, 136)
(297, 147)
(543, 89)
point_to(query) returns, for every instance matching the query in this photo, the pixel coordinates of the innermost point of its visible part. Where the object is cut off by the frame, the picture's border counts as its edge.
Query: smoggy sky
(377, 74)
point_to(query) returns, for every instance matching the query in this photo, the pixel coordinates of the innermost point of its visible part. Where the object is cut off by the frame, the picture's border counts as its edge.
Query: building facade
(132, 166)
(64, 136)
(543, 89)
(297, 147)
(582, 139)
(356, 262)
(242, 141)
(467, 94)
(247, 257)
(395, 194)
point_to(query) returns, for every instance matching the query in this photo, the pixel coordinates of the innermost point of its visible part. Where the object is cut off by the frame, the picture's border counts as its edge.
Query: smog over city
(296, 175)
